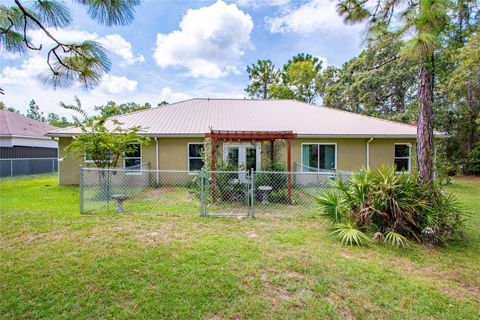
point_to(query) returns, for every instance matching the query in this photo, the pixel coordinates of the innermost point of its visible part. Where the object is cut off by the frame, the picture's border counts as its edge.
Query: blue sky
(181, 49)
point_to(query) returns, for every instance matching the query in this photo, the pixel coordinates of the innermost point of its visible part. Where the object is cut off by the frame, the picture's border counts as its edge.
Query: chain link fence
(210, 193)
(27, 166)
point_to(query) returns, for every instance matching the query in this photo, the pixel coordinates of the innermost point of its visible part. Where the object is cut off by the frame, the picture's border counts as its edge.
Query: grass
(171, 263)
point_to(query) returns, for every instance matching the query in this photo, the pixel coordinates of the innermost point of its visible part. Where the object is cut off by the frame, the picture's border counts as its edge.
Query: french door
(242, 156)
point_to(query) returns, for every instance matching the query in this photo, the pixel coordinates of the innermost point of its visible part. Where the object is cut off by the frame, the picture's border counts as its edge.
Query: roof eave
(202, 135)
(366, 136)
(24, 136)
(158, 135)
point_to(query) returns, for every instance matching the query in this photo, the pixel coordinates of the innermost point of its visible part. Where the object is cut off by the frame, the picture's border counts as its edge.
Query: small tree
(102, 140)
(57, 121)
(301, 81)
(114, 109)
(262, 76)
(34, 112)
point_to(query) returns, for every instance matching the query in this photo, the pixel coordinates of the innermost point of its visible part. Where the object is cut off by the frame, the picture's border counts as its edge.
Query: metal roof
(197, 117)
(17, 125)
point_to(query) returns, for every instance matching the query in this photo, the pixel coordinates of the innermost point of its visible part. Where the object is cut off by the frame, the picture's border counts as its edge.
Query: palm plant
(397, 207)
(350, 234)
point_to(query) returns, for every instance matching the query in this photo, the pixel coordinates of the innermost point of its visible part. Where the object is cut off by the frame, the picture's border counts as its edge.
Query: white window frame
(319, 144)
(242, 152)
(128, 158)
(409, 145)
(193, 158)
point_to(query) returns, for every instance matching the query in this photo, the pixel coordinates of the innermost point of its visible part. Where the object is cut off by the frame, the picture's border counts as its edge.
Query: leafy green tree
(421, 22)
(464, 80)
(301, 81)
(57, 121)
(367, 85)
(34, 112)
(69, 62)
(102, 140)
(464, 87)
(113, 109)
(301, 57)
(162, 103)
(262, 76)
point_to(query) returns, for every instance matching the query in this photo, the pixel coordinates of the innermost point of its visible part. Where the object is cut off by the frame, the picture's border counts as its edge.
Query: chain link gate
(227, 193)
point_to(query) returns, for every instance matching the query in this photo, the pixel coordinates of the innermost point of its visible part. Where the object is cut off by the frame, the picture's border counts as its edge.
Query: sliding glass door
(319, 157)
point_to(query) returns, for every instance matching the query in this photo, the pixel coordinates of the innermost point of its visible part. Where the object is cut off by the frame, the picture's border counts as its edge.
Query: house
(305, 137)
(24, 148)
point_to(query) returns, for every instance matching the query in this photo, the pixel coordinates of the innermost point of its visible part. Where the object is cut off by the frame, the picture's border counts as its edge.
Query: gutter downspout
(368, 152)
(156, 160)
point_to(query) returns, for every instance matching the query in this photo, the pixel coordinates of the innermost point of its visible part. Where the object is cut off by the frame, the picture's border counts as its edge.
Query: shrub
(395, 207)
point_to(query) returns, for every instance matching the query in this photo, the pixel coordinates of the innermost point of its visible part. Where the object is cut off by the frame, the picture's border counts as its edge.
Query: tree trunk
(424, 127)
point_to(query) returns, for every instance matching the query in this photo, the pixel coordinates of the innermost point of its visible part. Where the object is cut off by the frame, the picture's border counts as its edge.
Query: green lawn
(56, 263)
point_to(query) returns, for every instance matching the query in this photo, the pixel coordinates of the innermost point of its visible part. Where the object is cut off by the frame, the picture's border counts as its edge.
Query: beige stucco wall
(68, 167)
(173, 152)
(352, 153)
(172, 155)
(382, 151)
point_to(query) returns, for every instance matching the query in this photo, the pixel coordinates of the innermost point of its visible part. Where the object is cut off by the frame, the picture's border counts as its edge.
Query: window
(195, 161)
(402, 157)
(318, 156)
(133, 158)
(88, 157)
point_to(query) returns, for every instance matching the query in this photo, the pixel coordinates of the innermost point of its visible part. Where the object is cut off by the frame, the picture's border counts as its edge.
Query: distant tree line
(109, 109)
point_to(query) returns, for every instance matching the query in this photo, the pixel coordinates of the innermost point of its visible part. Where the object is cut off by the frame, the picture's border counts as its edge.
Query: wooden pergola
(215, 135)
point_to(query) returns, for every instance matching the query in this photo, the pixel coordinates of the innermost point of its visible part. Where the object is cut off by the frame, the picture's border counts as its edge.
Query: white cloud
(209, 43)
(167, 94)
(316, 15)
(114, 43)
(27, 74)
(32, 70)
(121, 47)
(113, 85)
(23, 83)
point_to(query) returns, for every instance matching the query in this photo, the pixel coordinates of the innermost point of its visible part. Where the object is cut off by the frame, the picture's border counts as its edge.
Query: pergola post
(289, 169)
(272, 155)
(213, 142)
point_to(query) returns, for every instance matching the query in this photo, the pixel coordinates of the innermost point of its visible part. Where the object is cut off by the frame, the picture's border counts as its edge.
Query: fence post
(252, 193)
(11, 168)
(81, 190)
(201, 196)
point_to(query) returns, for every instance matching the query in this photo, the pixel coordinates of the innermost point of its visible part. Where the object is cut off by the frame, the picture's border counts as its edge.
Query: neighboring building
(243, 130)
(24, 148)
